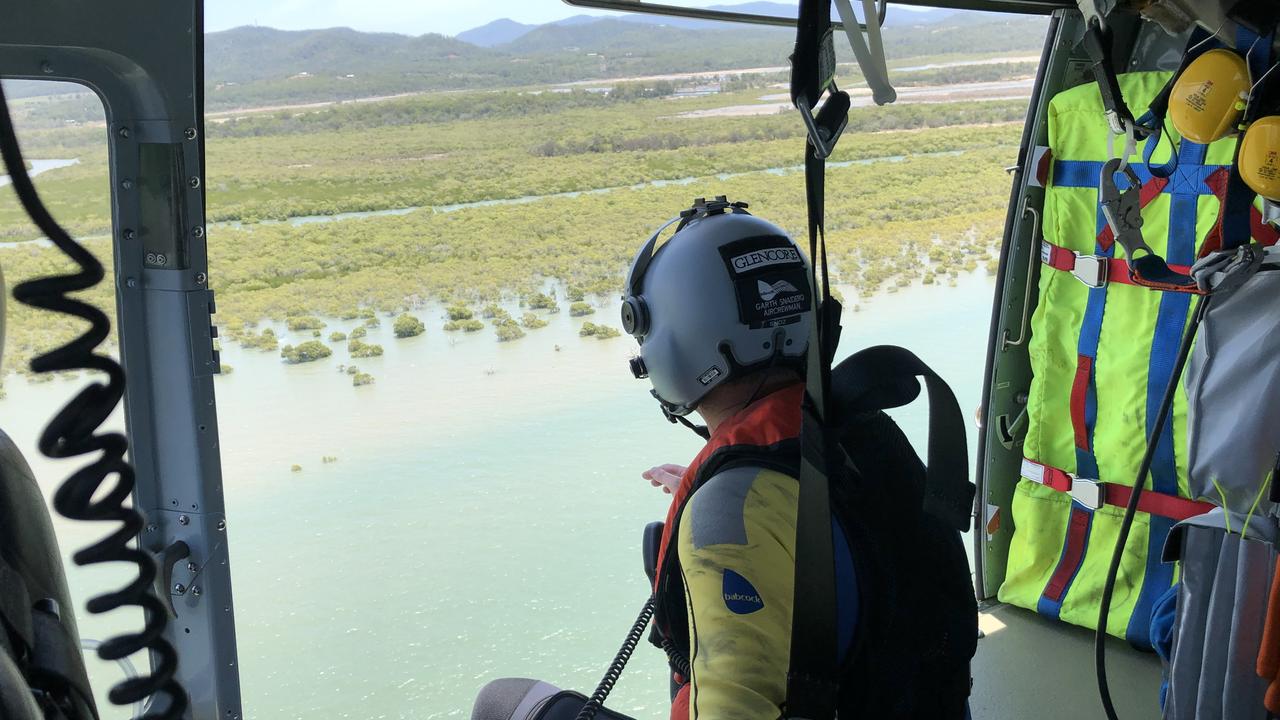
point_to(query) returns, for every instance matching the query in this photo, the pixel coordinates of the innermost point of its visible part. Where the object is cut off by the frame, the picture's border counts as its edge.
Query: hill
(724, 46)
(254, 66)
(250, 53)
(497, 32)
(618, 37)
(250, 66)
(507, 30)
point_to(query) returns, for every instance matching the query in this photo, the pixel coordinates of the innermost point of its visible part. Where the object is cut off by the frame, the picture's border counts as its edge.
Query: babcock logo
(740, 596)
(764, 258)
(769, 292)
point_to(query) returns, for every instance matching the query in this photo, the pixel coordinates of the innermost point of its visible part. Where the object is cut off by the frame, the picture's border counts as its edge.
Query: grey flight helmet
(727, 294)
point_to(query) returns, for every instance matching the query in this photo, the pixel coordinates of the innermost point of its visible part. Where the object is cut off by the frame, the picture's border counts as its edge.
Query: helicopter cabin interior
(1055, 439)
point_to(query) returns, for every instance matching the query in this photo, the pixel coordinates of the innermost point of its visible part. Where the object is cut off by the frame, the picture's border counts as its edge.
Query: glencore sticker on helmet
(755, 259)
(770, 280)
(777, 299)
(769, 291)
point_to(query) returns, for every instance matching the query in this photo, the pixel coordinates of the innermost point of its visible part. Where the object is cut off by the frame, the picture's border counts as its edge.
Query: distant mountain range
(498, 32)
(256, 66)
(505, 30)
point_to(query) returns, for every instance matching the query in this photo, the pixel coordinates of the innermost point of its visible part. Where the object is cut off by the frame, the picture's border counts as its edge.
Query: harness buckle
(1091, 270)
(828, 125)
(1123, 208)
(1087, 492)
(1114, 121)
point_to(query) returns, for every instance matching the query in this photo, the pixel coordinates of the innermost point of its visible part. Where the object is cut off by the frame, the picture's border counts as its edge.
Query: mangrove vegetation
(915, 193)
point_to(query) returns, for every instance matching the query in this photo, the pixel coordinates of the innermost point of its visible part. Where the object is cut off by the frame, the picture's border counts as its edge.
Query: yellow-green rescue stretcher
(1102, 350)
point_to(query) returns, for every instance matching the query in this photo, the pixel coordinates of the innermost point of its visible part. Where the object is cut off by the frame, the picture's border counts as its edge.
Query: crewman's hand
(666, 476)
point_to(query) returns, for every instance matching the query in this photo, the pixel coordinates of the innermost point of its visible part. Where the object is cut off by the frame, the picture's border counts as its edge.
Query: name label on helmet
(770, 280)
(764, 258)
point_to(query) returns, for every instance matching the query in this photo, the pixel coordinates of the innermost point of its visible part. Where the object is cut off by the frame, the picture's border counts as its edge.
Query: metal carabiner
(826, 127)
(1123, 208)
(1123, 211)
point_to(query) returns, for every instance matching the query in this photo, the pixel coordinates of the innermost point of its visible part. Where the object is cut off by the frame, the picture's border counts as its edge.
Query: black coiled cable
(611, 675)
(678, 661)
(74, 431)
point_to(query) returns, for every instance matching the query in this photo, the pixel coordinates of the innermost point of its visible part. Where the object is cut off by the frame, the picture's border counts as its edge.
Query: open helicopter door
(1015, 676)
(1083, 379)
(144, 59)
(1027, 666)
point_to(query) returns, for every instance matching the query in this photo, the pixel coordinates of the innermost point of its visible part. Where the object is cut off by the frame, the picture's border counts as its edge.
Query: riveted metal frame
(1008, 374)
(144, 59)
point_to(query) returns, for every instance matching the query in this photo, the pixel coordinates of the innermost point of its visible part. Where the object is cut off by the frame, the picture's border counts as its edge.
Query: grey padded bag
(1233, 381)
(1222, 607)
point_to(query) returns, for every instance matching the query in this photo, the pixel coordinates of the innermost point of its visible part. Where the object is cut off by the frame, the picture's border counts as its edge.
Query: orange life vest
(767, 422)
(771, 424)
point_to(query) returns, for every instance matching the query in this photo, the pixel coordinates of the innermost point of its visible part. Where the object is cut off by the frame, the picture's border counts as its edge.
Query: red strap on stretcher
(1079, 396)
(1151, 502)
(1056, 479)
(1155, 503)
(1072, 553)
(1263, 233)
(1060, 258)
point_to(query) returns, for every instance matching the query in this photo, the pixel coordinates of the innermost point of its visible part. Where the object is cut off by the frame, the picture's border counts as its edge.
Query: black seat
(42, 671)
(15, 696)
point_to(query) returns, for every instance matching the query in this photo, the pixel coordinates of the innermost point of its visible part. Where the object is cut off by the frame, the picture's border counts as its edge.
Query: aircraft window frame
(145, 75)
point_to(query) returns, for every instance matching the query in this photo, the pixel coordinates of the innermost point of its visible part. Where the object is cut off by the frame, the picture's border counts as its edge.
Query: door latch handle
(165, 589)
(1011, 432)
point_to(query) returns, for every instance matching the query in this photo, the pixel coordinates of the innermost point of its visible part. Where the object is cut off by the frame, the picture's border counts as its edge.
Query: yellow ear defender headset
(1210, 95)
(1214, 97)
(1260, 157)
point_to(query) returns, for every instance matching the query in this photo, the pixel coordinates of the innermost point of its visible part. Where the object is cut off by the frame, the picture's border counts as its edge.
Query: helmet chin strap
(700, 430)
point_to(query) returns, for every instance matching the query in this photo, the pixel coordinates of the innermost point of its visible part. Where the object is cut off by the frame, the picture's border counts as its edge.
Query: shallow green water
(484, 515)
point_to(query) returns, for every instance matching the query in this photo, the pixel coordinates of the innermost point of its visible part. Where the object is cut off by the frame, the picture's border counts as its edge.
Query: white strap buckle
(1086, 492)
(1083, 490)
(1032, 471)
(1091, 270)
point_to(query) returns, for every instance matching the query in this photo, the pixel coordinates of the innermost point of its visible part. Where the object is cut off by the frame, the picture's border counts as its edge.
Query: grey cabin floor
(1029, 667)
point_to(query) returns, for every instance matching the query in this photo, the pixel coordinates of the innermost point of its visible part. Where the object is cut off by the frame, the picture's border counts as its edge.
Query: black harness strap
(40, 645)
(812, 678)
(1097, 43)
(15, 606)
(813, 68)
(57, 663)
(1236, 229)
(874, 379)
